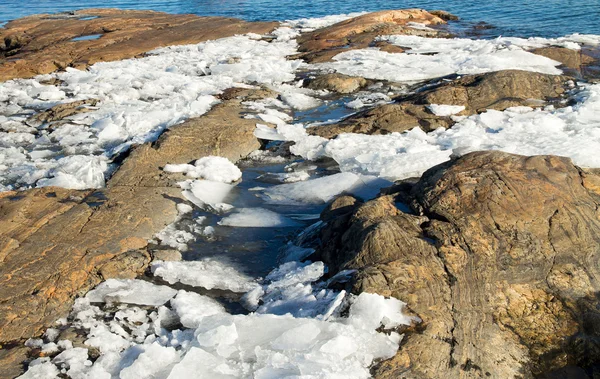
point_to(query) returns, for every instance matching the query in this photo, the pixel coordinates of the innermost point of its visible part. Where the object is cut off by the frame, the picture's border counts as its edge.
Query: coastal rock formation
(56, 244)
(496, 90)
(500, 260)
(44, 43)
(360, 32)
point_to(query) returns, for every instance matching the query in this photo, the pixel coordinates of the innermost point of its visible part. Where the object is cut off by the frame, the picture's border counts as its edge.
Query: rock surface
(339, 83)
(42, 44)
(501, 261)
(569, 58)
(496, 90)
(56, 244)
(360, 32)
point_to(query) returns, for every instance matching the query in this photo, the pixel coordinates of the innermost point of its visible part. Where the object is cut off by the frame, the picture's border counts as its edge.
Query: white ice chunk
(207, 192)
(320, 190)
(131, 291)
(192, 308)
(155, 362)
(430, 58)
(256, 218)
(216, 169)
(206, 273)
(444, 110)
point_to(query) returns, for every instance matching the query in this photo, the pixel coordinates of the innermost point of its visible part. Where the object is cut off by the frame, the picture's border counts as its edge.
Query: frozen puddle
(91, 37)
(248, 300)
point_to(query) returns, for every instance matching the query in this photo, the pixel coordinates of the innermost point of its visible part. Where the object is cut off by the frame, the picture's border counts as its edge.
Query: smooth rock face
(360, 32)
(42, 44)
(569, 58)
(339, 83)
(496, 90)
(56, 244)
(503, 266)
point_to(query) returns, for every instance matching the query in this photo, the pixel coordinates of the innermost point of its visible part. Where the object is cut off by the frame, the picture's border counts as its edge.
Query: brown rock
(220, 132)
(496, 90)
(503, 269)
(11, 360)
(337, 83)
(61, 111)
(42, 44)
(361, 32)
(569, 58)
(446, 16)
(385, 119)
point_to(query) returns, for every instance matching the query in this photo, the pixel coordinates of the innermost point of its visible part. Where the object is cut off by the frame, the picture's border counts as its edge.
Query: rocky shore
(496, 255)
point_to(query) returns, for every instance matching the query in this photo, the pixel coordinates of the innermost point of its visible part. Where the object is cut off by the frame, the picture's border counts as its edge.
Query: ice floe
(216, 169)
(206, 273)
(130, 291)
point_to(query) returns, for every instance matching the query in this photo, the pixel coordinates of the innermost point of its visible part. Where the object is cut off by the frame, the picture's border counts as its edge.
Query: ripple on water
(511, 17)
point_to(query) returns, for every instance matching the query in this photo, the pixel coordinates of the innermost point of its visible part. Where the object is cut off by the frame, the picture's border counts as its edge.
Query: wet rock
(446, 16)
(361, 32)
(42, 44)
(569, 58)
(502, 267)
(477, 93)
(339, 83)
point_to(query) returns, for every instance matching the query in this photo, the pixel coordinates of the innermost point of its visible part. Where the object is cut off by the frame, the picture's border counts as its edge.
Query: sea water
(550, 18)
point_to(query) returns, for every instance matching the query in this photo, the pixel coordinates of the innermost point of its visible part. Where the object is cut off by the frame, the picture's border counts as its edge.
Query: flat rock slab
(44, 43)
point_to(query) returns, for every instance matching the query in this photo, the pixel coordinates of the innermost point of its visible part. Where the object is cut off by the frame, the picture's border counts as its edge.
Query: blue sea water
(545, 18)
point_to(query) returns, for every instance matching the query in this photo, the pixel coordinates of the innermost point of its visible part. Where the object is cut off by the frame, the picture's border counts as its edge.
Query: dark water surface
(545, 18)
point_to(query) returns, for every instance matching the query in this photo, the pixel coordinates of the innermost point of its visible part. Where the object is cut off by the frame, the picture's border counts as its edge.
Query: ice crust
(216, 344)
(139, 98)
(206, 273)
(430, 58)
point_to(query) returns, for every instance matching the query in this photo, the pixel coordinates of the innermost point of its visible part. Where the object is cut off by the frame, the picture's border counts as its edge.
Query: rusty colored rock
(502, 266)
(360, 32)
(42, 44)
